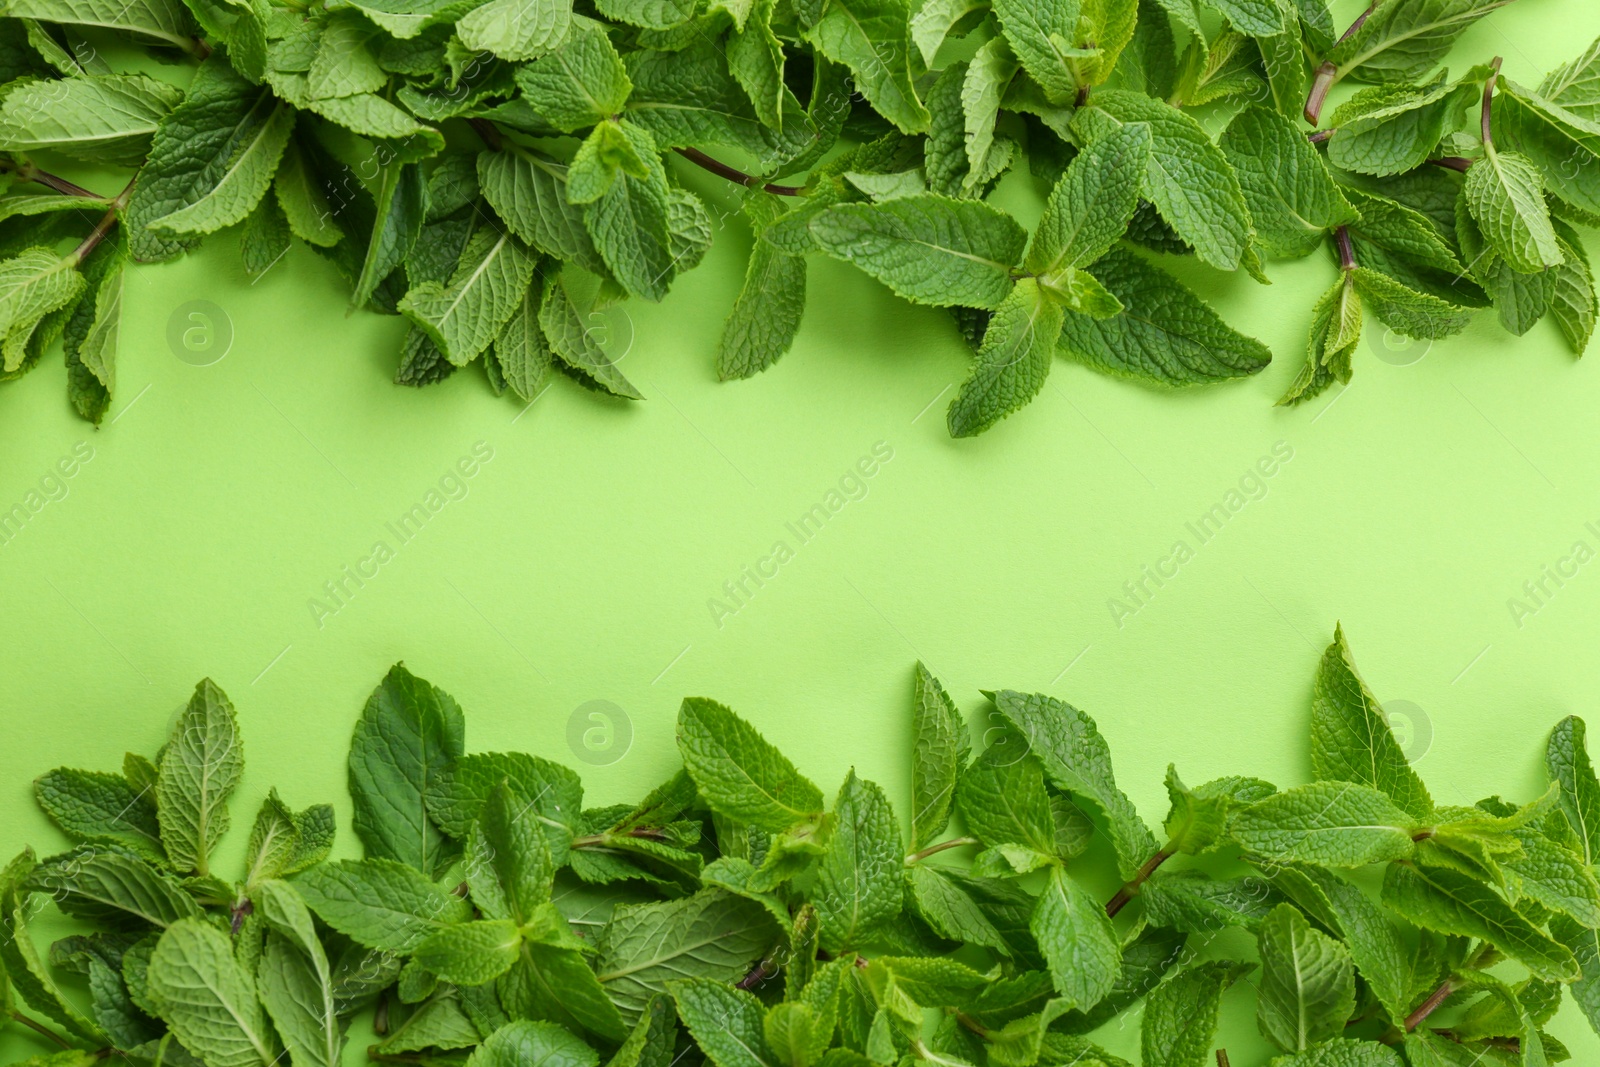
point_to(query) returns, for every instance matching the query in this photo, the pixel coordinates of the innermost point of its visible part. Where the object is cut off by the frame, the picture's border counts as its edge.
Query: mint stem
(1347, 253)
(1361, 20)
(1222, 1058)
(489, 133)
(1486, 956)
(1460, 163)
(1327, 74)
(39, 1027)
(1130, 889)
(733, 174)
(1318, 136)
(107, 223)
(30, 173)
(1488, 98)
(934, 850)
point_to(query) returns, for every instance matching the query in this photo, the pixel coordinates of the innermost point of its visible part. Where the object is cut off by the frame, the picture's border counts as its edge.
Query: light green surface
(580, 563)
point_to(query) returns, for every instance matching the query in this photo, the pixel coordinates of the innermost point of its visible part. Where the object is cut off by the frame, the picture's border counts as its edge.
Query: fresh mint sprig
(495, 171)
(495, 920)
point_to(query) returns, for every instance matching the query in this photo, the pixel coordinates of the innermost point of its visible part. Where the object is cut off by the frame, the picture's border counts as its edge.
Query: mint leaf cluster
(740, 916)
(495, 171)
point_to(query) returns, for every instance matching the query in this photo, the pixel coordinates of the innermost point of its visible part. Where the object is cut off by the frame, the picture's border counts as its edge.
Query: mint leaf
(513, 30)
(765, 317)
(1292, 199)
(1091, 205)
(1195, 904)
(402, 206)
(1391, 129)
(1187, 178)
(529, 193)
(1335, 333)
(1164, 333)
(295, 980)
(1077, 941)
(1044, 36)
(408, 734)
(1350, 736)
(1453, 903)
(107, 120)
(939, 753)
(380, 903)
(462, 316)
(1567, 762)
(1180, 1015)
(106, 884)
(1075, 758)
(860, 881)
(1002, 801)
(165, 21)
(1331, 824)
(199, 769)
(929, 248)
(1403, 42)
(1505, 193)
(873, 39)
(523, 1043)
(90, 805)
(728, 1024)
(738, 773)
(1012, 362)
(208, 998)
(567, 332)
(578, 84)
(1308, 985)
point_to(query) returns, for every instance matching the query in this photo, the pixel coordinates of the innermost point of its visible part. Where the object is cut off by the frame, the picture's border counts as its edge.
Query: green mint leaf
(1292, 199)
(1567, 762)
(509, 868)
(1391, 129)
(1002, 800)
(207, 998)
(1165, 333)
(295, 980)
(529, 193)
(166, 21)
(690, 97)
(1407, 311)
(23, 970)
(557, 983)
(567, 332)
(1381, 956)
(408, 734)
(1350, 736)
(522, 1042)
(520, 350)
(1584, 944)
(1044, 36)
(1308, 986)
(578, 84)
(939, 898)
(380, 903)
(713, 935)
(756, 61)
(99, 120)
(1283, 59)
(217, 149)
(463, 315)
(471, 953)
(1555, 876)
(1347, 1052)
(1091, 205)
(738, 773)
(1335, 332)
(1013, 361)
(105, 884)
(513, 30)
(1075, 758)
(1198, 819)
(873, 39)
(199, 768)
(1453, 903)
(1403, 42)
(987, 75)
(1148, 953)
(33, 285)
(304, 200)
(1180, 1015)
(1195, 904)
(402, 197)
(89, 343)
(766, 314)
(649, 14)
(1077, 941)
(1575, 304)
(1520, 300)
(90, 805)
(860, 881)
(629, 217)
(929, 249)
(346, 61)
(1188, 178)
(1505, 193)
(653, 1039)
(940, 745)
(935, 20)
(1258, 18)
(457, 794)
(727, 1023)
(439, 1022)
(266, 237)
(1403, 231)
(1331, 824)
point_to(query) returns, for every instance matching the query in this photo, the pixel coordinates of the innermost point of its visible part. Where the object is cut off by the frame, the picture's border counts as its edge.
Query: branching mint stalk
(1130, 888)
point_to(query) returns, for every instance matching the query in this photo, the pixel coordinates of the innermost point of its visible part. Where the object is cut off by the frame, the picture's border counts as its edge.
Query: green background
(580, 564)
